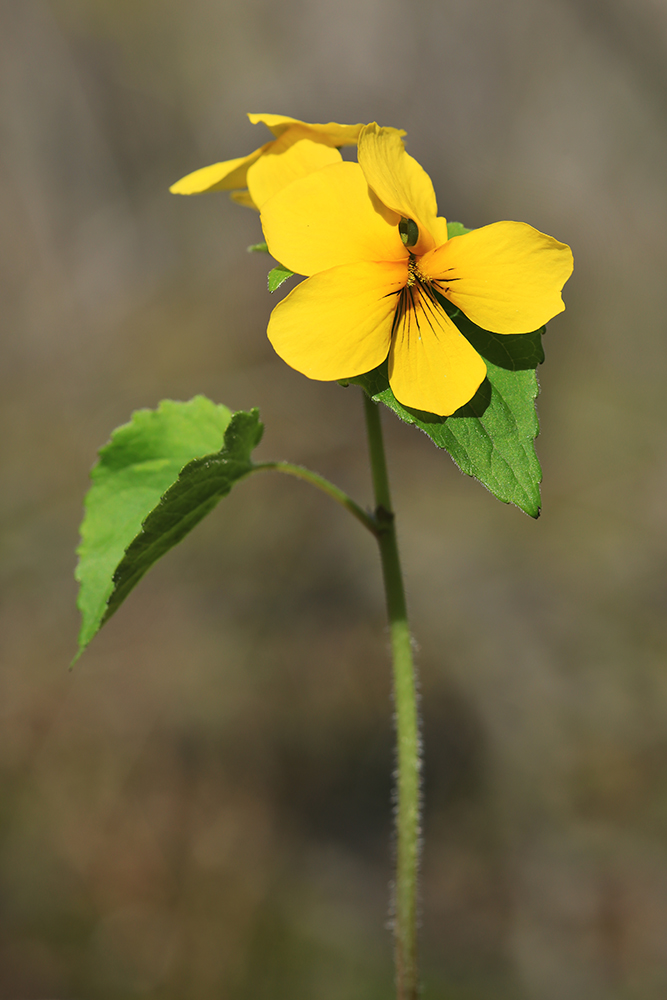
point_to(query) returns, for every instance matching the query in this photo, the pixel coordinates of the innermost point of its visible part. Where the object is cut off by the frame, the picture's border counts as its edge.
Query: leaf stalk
(315, 479)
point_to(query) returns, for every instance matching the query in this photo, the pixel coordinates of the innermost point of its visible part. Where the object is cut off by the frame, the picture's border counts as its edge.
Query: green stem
(407, 721)
(325, 486)
(381, 525)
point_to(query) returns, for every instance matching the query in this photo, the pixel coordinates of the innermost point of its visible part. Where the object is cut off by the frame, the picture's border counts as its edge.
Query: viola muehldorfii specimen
(377, 262)
(439, 323)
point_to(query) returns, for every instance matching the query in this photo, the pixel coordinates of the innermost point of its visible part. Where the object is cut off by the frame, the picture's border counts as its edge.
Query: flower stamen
(414, 273)
(414, 296)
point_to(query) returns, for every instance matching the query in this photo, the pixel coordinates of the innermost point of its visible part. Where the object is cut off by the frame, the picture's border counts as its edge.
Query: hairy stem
(381, 525)
(407, 721)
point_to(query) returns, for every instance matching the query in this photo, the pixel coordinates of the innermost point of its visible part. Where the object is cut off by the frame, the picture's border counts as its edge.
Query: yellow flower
(297, 149)
(368, 239)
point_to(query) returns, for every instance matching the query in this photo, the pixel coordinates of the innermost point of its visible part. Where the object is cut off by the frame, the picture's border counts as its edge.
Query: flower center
(416, 303)
(414, 273)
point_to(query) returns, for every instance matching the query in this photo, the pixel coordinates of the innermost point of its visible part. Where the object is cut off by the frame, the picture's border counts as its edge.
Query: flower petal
(219, 176)
(338, 323)
(243, 197)
(329, 218)
(288, 158)
(438, 230)
(398, 180)
(339, 135)
(431, 364)
(506, 277)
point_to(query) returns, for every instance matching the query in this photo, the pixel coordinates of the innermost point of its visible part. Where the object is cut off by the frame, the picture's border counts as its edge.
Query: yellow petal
(438, 229)
(506, 277)
(219, 176)
(398, 180)
(243, 198)
(328, 218)
(338, 323)
(431, 364)
(288, 158)
(338, 135)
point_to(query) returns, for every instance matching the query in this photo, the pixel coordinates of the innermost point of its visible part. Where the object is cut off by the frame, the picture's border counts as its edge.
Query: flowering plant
(439, 323)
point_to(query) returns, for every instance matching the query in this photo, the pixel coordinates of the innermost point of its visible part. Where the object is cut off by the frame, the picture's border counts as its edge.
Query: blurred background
(201, 809)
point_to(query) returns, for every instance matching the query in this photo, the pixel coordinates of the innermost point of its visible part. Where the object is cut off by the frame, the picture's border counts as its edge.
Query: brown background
(201, 809)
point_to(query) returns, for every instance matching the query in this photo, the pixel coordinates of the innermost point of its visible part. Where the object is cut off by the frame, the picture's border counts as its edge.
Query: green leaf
(456, 229)
(491, 437)
(513, 351)
(155, 480)
(278, 276)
